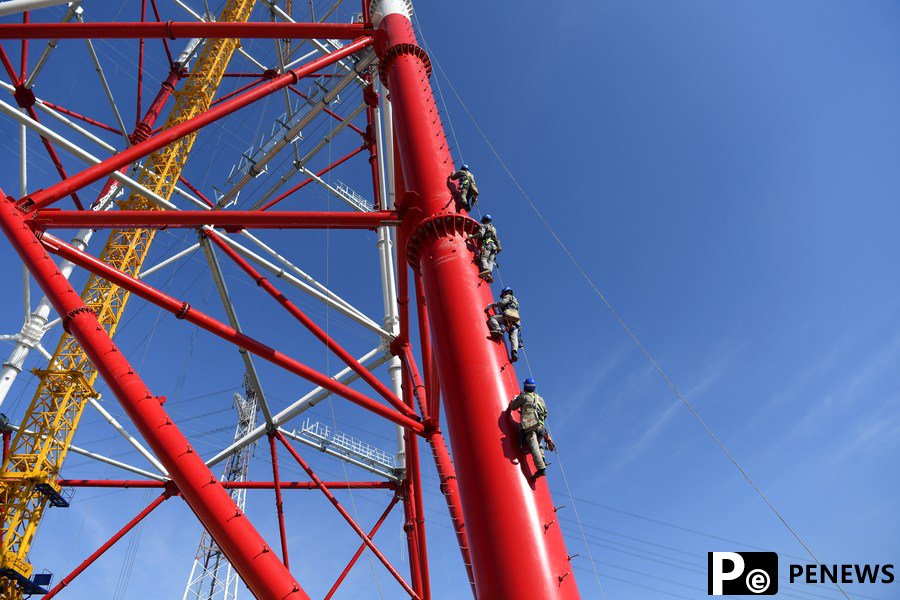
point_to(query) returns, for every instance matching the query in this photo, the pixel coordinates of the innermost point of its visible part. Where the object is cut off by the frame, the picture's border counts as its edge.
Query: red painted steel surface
(361, 548)
(504, 519)
(231, 485)
(230, 220)
(311, 325)
(106, 546)
(42, 198)
(279, 503)
(183, 310)
(516, 545)
(343, 512)
(257, 564)
(182, 29)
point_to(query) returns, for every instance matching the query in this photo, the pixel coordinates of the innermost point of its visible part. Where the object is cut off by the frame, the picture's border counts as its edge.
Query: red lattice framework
(504, 519)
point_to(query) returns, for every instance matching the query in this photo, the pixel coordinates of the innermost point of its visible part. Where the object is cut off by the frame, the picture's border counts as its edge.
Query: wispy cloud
(712, 373)
(844, 400)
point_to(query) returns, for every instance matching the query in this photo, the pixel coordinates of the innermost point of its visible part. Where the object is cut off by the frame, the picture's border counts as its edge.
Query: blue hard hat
(464, 168)
(486, 219)
(506, 290)
(529, 384)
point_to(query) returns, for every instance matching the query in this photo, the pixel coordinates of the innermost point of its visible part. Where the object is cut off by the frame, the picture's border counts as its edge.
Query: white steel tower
(212, 577)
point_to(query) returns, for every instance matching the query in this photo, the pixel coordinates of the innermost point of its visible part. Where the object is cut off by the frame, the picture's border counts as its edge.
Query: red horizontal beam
(42, 198)
(231, 485)
(178, 29)
(229, 220)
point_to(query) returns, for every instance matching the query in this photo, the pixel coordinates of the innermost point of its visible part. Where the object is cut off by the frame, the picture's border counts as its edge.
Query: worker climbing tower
(357, 75)
(212, 576)
(505, 509)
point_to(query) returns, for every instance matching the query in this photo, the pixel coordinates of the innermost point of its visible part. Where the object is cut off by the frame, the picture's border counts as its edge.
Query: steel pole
(279, 503)
(442, 462)
(242, 544)
(11, 7)
(517, 549)
(181, 29)
(231, 221)
(230, 485)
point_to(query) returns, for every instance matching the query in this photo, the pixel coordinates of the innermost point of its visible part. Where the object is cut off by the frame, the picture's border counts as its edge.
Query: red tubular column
(256, 563)
(517, 549)
(433, 410)
(450, 490)
(443, 463)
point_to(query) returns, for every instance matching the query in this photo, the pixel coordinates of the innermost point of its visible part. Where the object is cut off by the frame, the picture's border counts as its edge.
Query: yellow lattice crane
(40, 445)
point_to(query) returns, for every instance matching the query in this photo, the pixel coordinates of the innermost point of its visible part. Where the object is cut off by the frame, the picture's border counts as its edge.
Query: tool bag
(511, 315)
(530, 418)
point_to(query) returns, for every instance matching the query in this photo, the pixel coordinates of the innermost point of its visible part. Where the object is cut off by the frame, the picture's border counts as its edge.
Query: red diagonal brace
(443, 463)
(257, 565)
(309, 180)
(317, 331)
(183, 310)
(334, 501)
(106, 546)
(81, 117)
(54, 157)
(362, 547)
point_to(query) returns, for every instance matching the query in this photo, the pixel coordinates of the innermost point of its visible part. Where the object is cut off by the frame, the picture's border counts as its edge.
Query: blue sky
(723, 171)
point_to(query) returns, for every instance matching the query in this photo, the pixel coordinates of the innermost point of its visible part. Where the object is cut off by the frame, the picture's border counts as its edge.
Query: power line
(628, 330)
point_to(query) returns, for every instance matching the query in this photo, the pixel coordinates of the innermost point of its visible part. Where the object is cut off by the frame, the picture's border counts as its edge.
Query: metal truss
(493, 503)
(212, 576)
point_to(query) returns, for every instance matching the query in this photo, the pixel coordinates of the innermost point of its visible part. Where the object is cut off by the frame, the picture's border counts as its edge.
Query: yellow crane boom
(39, 447)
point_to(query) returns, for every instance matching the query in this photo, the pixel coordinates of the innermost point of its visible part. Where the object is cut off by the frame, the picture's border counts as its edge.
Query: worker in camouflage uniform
(488, 248)
(507, 317)
(532, 415)
(466, 190)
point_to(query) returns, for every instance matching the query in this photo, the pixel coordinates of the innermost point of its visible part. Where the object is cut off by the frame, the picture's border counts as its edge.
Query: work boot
(486, 276)
(540, 473)
(515, 356)
(496, 333)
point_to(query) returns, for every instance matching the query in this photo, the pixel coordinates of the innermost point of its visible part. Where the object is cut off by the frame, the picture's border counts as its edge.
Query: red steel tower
(503, 517)
(516, 544)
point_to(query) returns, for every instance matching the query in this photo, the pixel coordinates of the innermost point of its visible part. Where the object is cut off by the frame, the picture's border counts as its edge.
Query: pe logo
(743, 574)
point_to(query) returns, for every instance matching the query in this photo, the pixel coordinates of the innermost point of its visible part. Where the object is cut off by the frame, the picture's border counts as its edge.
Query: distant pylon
(212, 577)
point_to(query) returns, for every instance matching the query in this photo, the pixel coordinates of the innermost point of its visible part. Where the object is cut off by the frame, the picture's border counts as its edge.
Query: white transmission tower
(212, 576)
